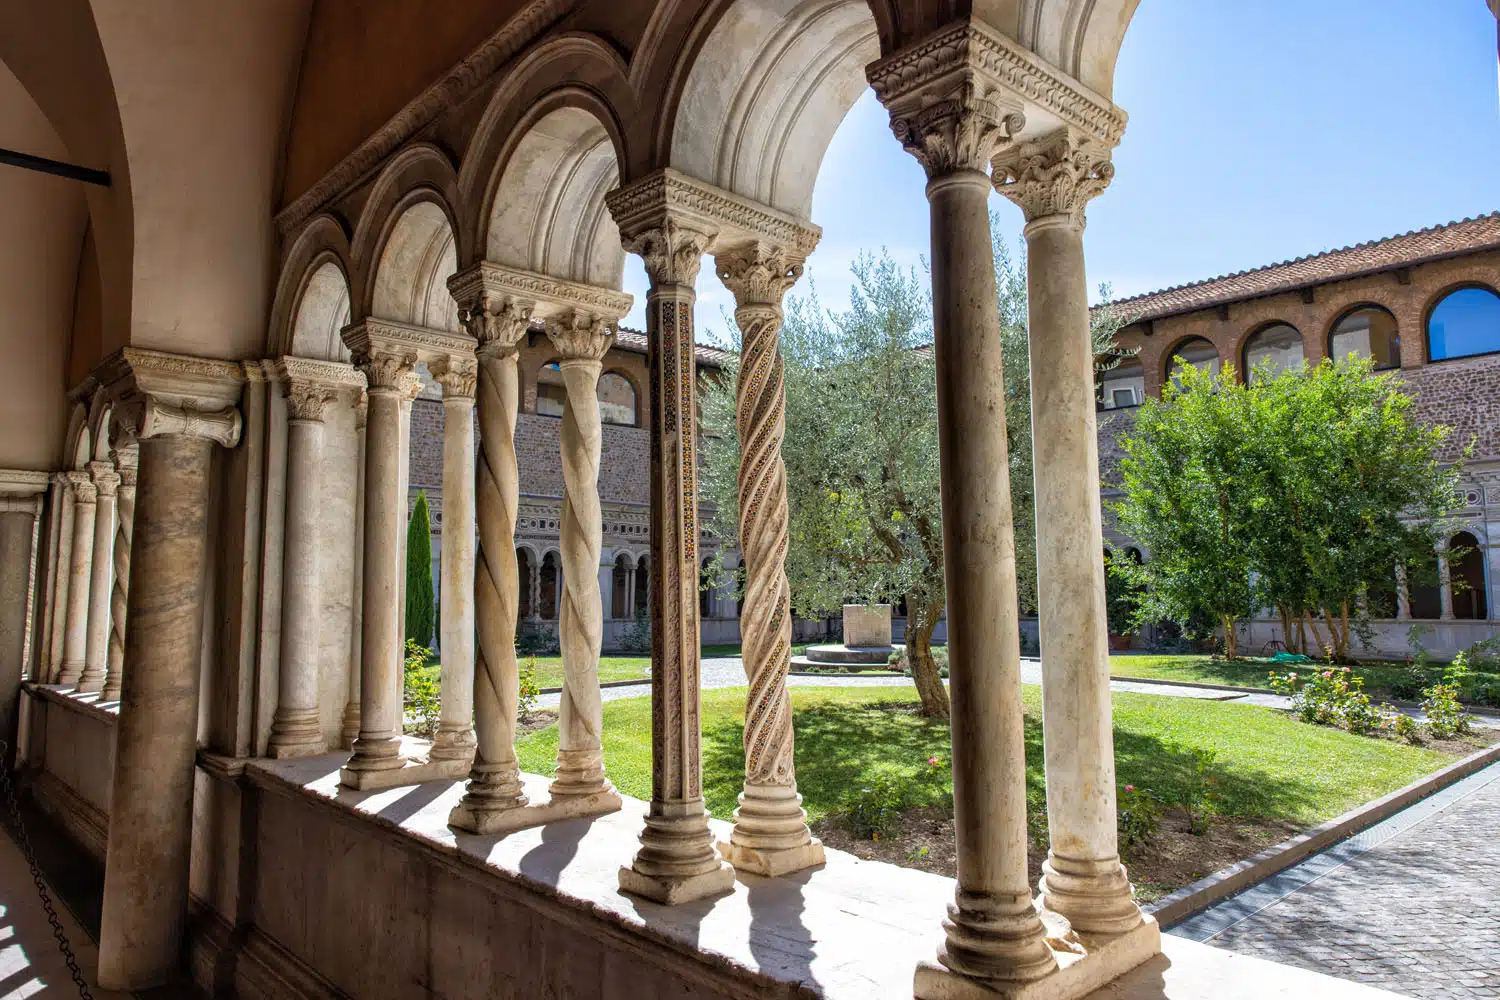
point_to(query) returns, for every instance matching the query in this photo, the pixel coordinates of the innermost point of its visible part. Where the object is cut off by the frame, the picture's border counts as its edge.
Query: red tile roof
(634, 340)
(1418, 247)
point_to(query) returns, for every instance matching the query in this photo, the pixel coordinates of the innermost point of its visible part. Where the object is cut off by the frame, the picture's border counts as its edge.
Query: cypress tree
(420, 607)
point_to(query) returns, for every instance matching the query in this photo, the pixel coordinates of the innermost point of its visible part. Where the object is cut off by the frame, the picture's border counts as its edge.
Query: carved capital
(959, 130)
(307, 400)
(581, 336)
(672, 252)
(106, 479)
(457, 376)
(1056, 175)
(497, 322)
(386, 369)
(158, 394)
(127, 463)
(84, 490)
(758, 274)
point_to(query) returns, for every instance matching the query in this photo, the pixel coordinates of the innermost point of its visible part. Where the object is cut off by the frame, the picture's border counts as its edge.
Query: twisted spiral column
(770, 833)
(582, 339)
(126, 462)
(495, 778)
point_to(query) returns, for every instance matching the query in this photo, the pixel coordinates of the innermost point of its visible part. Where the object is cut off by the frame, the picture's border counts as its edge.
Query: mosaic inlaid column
(455, 735)
(126, 455)
(96, 646)
(770, 835)
(1052, 180)
(676, 861)
(297, 728)
(497, 324)
(350, 729)
(80, 574)
(993, 936)
(582, 340)
(179, 408)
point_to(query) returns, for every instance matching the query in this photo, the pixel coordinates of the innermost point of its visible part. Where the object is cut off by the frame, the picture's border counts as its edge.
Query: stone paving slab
(1410, 905)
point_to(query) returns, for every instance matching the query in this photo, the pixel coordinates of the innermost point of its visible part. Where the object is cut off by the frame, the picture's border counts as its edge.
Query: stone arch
(753, 106)
(1380, 337)
(410, 281)
(580, 79)
(77, 445)
(1080, 37)
(1488, 294)
(419, 173)
(306, 294)
(1189, 343)
(1276, 339)
(1467, 574)
(100, 412)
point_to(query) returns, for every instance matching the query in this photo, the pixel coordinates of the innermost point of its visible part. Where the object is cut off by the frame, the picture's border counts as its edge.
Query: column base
(1094, 895)
(775, 861)
(111, 692)
(286, 751)
(580, 773)
(90, 682)
(677, 862)
(406, 772)
(770, 835)
(350, 731)
(453, 744)
(69, 675)
(491, 821)
(1084, 964)
(296, 732)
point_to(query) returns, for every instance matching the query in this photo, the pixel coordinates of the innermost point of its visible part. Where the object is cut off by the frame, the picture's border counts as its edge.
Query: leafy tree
(421, 611)
(1301, 492)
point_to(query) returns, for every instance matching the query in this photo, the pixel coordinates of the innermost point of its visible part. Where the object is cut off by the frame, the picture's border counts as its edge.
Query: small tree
(420, 606)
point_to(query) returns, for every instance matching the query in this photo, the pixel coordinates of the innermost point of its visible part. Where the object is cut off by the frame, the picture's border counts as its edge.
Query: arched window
(1422, 591)
(1134, 555)
(1466, 574)
(1123, 385)
(1369, 332)
(1464, 323)
(551, 394)
(1279, 345)
(616, 400)
(705, 591)
(523, 574)
(642, 587)
(551, 587)
(1195, 351)
(620, 596)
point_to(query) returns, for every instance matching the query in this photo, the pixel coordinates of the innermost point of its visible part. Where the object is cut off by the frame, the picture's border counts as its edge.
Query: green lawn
(1379, 676)
(1268, 765)
(625, 667)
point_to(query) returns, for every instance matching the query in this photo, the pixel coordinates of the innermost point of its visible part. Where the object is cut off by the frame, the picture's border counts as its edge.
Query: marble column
(497, 324)
(96, 647)
(62, 573)
(178, 408)
(49, 646)
(1403, 595)
(296, 728)
(126, 455)
(993, 937)
(455, 735)
(20, 508)
(80, 574)
(770, 835)
(1445, 583)
(676, 861)
(350, 729)
(1052, 179)
(582, 339)
(378, 747)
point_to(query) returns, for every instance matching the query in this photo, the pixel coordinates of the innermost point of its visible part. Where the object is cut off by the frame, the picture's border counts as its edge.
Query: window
(616, 400)
(1278, 346)
(1466, 575)
(1123, 385)
(551, 394)
(1464, 323)
(1369, 332)
(1195, 351)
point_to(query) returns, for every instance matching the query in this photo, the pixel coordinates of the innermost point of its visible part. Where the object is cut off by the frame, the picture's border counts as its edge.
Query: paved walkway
(1411, 905)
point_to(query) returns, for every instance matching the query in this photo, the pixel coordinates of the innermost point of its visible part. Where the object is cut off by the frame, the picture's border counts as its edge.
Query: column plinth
(455, 736)
(770, 834)
(80, 575)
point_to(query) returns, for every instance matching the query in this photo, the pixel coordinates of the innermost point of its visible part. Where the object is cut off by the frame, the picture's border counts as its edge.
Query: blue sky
(1259, 131)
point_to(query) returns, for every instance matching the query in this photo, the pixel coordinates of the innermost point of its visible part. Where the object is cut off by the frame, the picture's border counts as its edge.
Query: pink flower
(1327, 674)
(933, 761)
(1130, 788)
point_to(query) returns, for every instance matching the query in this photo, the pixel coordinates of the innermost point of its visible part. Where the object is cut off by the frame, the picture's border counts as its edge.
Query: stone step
(862, 655)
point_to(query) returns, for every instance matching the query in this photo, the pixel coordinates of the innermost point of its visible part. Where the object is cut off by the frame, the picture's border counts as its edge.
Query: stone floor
(1411, 905)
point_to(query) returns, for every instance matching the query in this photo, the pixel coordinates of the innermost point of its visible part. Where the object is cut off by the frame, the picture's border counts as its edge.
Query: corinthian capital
(580, 335)
(1055, 175)
(497, 322)
(106, 479)
(307, 400)
(458, 376)
(84, 490)
(959, 130)
(759, 274)
(672, 252)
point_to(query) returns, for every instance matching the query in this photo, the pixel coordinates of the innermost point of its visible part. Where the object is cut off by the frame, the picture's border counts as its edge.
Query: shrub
(1195, 794)
(534, 639)
(1409, 683)
(421, 691)
(1036, 820)
(421, 610)
(1332, 697)
(1137, 816)
(1445, 715)
(1405, 728)
(876, 808)
(529, 690)
(637, 637)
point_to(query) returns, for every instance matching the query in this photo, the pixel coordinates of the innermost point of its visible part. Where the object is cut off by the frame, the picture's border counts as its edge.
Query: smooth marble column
(1445, 583)
(53, 572)
(1082, 878)
(96, 647)
(144, 915)
(455, 736)
(80, 574)
(770, 835)
(378, 747)
(494, 788)
(676, 861)
(296, 728)
(582, 340)
(126, 457)
(350, 730)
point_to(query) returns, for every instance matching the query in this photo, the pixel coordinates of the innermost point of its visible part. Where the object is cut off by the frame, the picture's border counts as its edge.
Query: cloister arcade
(212, 515)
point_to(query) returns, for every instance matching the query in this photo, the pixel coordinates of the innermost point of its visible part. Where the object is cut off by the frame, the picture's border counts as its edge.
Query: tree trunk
(1231, 642)
(924, 671)
(1286, 628)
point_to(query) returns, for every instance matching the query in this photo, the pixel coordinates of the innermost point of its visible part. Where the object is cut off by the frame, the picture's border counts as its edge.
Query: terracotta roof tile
(1419, 246)
(634, 340)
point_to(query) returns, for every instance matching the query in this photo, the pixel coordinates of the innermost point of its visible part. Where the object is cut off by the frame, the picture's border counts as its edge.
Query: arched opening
(620, 597)
(1367, 332)
(1466, 575)
(1271, 351)
(617, 400)
(525, 575)
(411, 280)
(705, 590)
(1465, 322)
(1195, 351)
(1381, 597)
(642, 587)
(322, 311)
(1424, 592)
(551, 587)
(1123, 385)
(551, 391)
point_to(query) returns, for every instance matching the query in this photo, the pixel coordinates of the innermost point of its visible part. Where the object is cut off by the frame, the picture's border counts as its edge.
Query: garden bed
(1254, 775)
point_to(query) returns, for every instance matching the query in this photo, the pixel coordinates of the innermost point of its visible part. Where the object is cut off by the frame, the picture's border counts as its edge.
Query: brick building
(1424, 304)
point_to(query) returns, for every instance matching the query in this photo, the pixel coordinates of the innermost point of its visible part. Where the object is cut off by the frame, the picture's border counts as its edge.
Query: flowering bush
(1405, 728)
(1445, 716)
(1137, 816)
(1333, 697)
(529, 691)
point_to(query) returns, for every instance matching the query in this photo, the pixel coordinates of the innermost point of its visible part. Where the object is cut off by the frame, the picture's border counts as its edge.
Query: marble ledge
(71, 698)
(847, 929)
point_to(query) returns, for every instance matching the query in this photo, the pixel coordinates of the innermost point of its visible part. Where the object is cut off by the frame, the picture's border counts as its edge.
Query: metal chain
(24, 840)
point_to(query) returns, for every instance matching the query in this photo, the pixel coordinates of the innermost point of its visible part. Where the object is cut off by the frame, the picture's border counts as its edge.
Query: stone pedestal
(867, 625)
